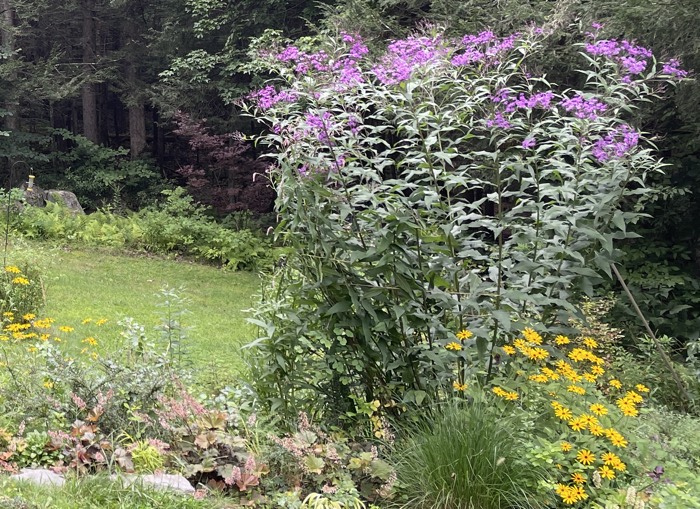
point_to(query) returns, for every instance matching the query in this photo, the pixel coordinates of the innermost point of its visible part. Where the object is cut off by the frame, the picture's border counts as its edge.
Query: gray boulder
(41, 476)
(161, 482)
(35, 197)
(65, 198)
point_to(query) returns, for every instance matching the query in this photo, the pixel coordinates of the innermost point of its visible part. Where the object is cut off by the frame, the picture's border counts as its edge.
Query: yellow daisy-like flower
(563, 413)
(48, 384)
(596, 430)
(520, 344)
(606, 472)
(8, 314)
(12, 269)
(576, 389)
(90, 341)
(562, 340)
(590, 343)
(458, 386)
(453, 346)
(20, 280)
(609, 458)
(577, 424)
(539, 378)
(642, 388)
(629, 411)
(66, 328)
(633, 397)
(580, 493)
(619, 466)
(32, 349)
(597, 370)
(598, 409)
(532, 336)
(103, 321)
(578, 355)
(499, 392)
(585, 457)
(570, 497)
(462, 335)
(29, 317)
(549, 373)
(589, 377)
(537, 354)
(509, 349)
(86, 321)
(618, 440)
(615, 383)
(44, 323)
(578, 478)
(511, 396)
(589, 420)
(565, 446)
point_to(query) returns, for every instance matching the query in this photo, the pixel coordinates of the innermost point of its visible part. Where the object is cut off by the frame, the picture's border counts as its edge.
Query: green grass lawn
(85, 283)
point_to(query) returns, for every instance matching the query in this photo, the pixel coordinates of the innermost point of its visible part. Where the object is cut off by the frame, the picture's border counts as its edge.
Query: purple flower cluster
(320, 125)
(617, 144)
(632, 58)
(541, 100)
(482, 47)
(404, 56)
(267, 97)
(584, 108)
(528, 143)
(498, 120)
(346, 67)
(672, 68)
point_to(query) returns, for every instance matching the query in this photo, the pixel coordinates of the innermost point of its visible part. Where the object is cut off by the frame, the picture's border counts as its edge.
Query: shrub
(178, 225)
(446, 182)
(468, 455)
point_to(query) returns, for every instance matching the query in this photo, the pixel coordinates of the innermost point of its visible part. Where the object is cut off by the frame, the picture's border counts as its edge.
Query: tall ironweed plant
(443, 185)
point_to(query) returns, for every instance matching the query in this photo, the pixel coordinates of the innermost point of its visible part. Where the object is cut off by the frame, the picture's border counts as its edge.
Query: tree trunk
(137, 114)
(89, 92)
(8, 45)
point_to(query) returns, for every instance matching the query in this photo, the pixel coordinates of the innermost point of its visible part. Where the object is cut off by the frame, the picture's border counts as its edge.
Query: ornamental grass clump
(467, 456)
(446, 181)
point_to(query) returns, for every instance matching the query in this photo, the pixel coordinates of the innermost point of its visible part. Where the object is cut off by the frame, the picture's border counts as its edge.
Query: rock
(65, 198)
(40, 476)
(35, 197)
(161, 482)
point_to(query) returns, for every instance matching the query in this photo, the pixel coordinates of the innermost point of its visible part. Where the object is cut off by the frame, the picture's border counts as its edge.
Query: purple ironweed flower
(354, 124)
(289, 53)
(528, 142)
(584, 108)
(631, 57)
(358, 48)
(540, 100)
(616, 144)
(481, 47)
(470, 55)
(502, 96)
(672, 68)
(267, 96)
(304, 170)
(498, 120)
(319, 124)
(404, 56)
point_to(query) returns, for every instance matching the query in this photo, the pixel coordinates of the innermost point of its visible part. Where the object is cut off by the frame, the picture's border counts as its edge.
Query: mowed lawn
(83, 283)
